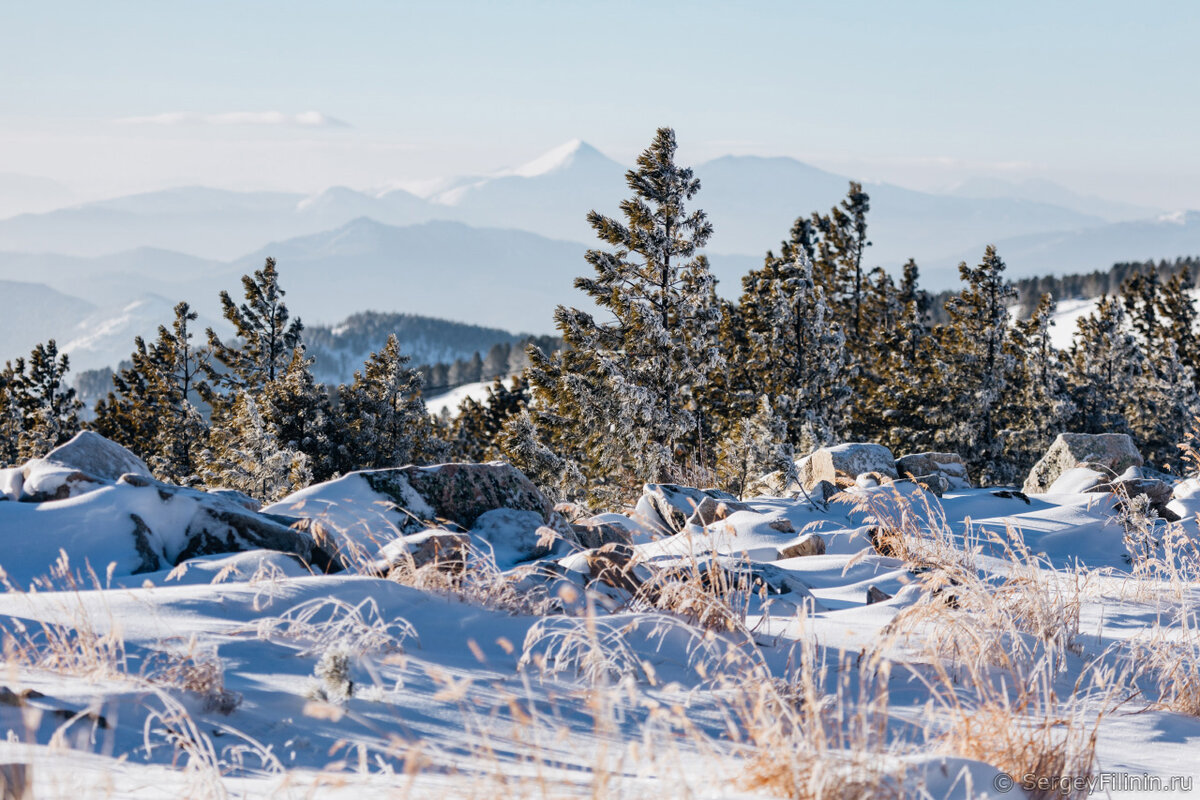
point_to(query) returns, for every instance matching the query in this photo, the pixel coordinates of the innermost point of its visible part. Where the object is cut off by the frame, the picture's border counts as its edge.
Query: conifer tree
(756, 445)
(12, 422)
(978, 363)
(842, 246)
(478, 425)
(1177, 313)
(629, 391)
(151, 410)
(1106, 363)
(266, 336)
(297, 412)
(795, 354)
(1039, 405)
(37, 390)
(245, 455)
(387, 425)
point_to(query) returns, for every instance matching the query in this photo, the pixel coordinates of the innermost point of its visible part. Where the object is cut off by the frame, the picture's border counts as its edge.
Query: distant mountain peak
(565, 155)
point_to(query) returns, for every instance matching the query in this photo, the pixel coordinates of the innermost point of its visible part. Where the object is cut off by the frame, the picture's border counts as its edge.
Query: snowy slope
(448, 402)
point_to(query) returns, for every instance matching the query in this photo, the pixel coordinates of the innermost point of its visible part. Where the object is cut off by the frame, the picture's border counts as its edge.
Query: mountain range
(497, 250)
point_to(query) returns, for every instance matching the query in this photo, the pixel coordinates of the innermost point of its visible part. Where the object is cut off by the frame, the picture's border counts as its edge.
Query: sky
(128, 96)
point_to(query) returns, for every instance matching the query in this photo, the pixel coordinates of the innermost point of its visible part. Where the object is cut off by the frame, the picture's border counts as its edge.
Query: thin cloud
(305, 119)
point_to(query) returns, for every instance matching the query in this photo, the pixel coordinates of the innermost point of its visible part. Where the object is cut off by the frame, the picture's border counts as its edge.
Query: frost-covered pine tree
(1163, 405)
(1039, 405)
(796, 353)
(477, 427)
(245, 455)
(1106, 365)
(37, 390)
(841, 248)
(756, 445)
(297, 411)
(978, 364)
(266, 334)
(12, 422)
(386, 421)
(626, 389)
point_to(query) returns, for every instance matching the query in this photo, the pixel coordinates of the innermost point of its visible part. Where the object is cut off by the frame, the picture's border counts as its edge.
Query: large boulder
(846, 462)
(932, 466)
(85, 463)
(1113, 453)
(673, 504)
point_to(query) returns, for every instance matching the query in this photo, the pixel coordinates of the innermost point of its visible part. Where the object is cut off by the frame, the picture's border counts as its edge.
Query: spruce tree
(842, 246)
(629, 391)
(478, 425)
(386, 421)
(12, 421)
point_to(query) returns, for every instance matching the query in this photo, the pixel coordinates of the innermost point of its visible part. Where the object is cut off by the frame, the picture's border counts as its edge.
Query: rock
(1158, 492)
(781, 524)
(613, 565)
(886, 541)
(593, 533)
(808, 545)
(86, 463)
(16, 781)
(458, 493)
(241, 498)
(1076, 481)
(846, 462)
(712, 510)
(876, 595)
(924, 466)
(1113, 452)
(646, 515)
(935, 483)
(1011, 494)
(674, 504)
(446, 550)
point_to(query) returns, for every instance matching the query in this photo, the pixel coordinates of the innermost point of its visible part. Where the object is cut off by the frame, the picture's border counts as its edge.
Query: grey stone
(876, 595)
(846, 462)
(673, 503)
(1112, 452)
(593, 533)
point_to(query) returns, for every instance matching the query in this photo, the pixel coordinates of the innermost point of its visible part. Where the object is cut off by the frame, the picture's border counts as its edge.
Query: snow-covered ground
(448, 402)
(730, 659)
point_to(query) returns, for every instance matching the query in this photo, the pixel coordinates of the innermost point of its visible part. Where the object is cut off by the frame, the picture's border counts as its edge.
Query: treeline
(502, 360)
(668, 382)
(1084, 285)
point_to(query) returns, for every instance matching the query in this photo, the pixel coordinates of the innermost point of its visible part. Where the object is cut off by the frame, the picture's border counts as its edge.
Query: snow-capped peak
(559, 158)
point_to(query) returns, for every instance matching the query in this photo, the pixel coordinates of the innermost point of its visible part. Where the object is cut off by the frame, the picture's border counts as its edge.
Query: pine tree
(795, 355)
(1039, 405)
(150, 409)
(12, 422)
(297, 412)
(1106, 364)
(245, 455)
(266, 337)
(630, 390)
(37, 390)
(978, 364)
(757, 445)
(842, 246)
(1177, 312)
(387, 425)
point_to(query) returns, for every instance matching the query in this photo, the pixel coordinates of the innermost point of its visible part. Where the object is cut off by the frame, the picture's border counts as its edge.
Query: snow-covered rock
(846, 461)
(139, 528)
(513, 535)
(1113, 452)
(674, 504)
(85, 463)
(445, 548)
(1076, 481)
(361, 512)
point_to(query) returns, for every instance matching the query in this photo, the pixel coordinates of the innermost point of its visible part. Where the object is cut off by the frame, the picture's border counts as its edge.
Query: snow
(448, 402)
(455, 697)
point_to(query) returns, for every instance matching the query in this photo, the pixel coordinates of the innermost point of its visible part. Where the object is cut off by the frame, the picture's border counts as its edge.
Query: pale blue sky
(1101, 96)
